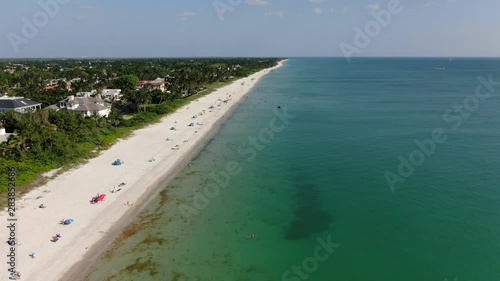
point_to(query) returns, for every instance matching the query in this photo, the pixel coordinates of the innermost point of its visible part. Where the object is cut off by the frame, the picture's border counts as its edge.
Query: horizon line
(239, 57)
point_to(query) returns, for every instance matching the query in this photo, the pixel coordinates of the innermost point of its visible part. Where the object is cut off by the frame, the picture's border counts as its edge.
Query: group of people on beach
(203, 112)
(16, 275)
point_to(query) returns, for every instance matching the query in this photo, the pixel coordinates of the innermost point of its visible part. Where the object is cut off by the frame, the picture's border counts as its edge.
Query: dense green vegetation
(48, 139)
(186, 76)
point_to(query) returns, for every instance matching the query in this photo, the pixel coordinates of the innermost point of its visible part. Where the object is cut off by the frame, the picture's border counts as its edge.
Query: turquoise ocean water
(321, 177)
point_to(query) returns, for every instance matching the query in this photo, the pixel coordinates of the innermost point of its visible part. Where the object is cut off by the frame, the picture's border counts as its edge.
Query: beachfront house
(87, 106)
(54, 83)
(111, 94)
(157, 84)
(86, 94)
(18, 104)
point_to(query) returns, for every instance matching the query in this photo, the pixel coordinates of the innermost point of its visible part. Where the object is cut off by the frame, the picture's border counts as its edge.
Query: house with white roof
(86, 94)
(87, 106)
(111, 94)
(157, 84)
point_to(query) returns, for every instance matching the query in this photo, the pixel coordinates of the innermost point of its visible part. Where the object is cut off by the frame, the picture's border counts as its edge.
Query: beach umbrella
(68, 221)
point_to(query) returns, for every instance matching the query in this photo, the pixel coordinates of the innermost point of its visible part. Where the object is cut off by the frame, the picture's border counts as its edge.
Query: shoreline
(80, 270)
(97, 225)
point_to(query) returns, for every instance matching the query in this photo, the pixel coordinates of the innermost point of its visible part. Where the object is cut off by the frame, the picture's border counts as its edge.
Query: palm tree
(17, 144)
(4, 86)
(40, 117)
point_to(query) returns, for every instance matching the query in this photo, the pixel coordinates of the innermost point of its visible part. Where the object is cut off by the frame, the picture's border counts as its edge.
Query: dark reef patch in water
(177, 276)
(309, 219)
(144, 219)
(142, 265)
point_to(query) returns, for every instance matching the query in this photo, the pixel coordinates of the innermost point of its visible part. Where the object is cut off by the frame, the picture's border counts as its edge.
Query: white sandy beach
(67, 196)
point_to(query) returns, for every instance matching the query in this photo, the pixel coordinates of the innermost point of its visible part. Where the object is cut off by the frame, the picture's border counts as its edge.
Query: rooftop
(16, 102)
(90, 107)
(86, 103)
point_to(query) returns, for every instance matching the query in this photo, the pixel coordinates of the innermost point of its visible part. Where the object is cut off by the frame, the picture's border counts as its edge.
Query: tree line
(45, 139)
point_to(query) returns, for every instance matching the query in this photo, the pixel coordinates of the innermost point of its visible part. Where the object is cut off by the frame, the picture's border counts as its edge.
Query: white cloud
(317, 11)
(82, 18)
(373, 7)
(187, 15)
(87, 7)
(317, 1)
(257, 2)
(278, 14)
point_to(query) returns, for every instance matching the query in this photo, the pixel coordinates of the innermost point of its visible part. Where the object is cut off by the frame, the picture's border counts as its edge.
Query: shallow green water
(322, 177)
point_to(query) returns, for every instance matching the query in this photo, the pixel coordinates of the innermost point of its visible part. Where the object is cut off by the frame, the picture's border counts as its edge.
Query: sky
(249, 28)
